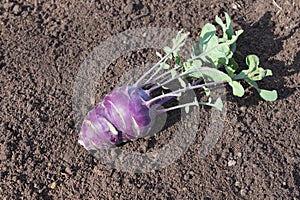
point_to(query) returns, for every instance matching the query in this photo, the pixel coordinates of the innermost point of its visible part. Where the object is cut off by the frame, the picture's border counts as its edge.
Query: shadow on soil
(259, 38)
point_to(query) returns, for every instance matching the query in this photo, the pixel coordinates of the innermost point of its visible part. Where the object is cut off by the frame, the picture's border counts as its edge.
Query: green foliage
(265, 94)
(190, 66)
(212, 60)
(218, 104)
(177, 42)
(165, 65)
(255, 73)
(214, 75)
(237, 88)
(215, 51)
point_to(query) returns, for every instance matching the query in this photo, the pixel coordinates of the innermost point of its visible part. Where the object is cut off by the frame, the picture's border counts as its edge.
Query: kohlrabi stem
(164, 100)
(203, 54)
(151, 69)
(179, 91)
(172, 79)
(149, 102)
(163, 59)
(177, 107)
(164, 75)
(198, 81)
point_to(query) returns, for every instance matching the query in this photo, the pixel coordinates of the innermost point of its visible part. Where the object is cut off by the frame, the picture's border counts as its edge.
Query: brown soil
(42, 45)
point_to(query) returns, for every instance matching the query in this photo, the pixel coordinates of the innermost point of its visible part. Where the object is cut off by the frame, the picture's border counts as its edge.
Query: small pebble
(243, 192)
(192, 173)
(186, 177)
(242, 108)
(68, 170)
(284, 183)
(92, 100)
(231, 163)
(234, 6)
(16, 10)
(53, 185)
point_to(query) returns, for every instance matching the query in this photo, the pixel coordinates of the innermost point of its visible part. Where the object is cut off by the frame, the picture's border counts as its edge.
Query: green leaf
(182, 83)
(230, 71)
(177, 60)
(214, 50)
(207, 91)
(229, 28)
(220, 22)
(193, 66)
(187, 109)
(195, 50)
(207, 33)
(254, 72)
(233, 64)
(217, 53)
(173, 52)
(158, 54)
(173, 73)
(178, 42)
(180, 37)
(242, 75)
(168, 50)
(231, 67)
(218, 104)
(214, 74)
(252, 83)
(196, 64)
(237, 88)
(239, 32)
(187, 66)
(164, 65)
(258, 74)
(252, 61)
(226, 28)
(264, 94)
(268, 95)
(268, 72)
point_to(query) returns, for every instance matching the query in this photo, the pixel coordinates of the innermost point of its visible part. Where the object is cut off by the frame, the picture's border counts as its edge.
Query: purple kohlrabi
(122, 115)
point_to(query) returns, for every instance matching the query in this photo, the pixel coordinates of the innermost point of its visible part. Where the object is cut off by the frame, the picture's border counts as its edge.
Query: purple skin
(129, 112)
(126, 113)
(123, 115)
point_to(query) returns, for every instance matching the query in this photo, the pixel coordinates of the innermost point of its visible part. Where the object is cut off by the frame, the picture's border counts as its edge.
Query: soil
(43, 44)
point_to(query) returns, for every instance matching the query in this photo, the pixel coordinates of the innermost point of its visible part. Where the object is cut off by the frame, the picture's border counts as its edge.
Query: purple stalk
(164, 75)
(198, 81)
(177, 107)
(149, 102)
(166, 97)
(172, 79)
(164, 100)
